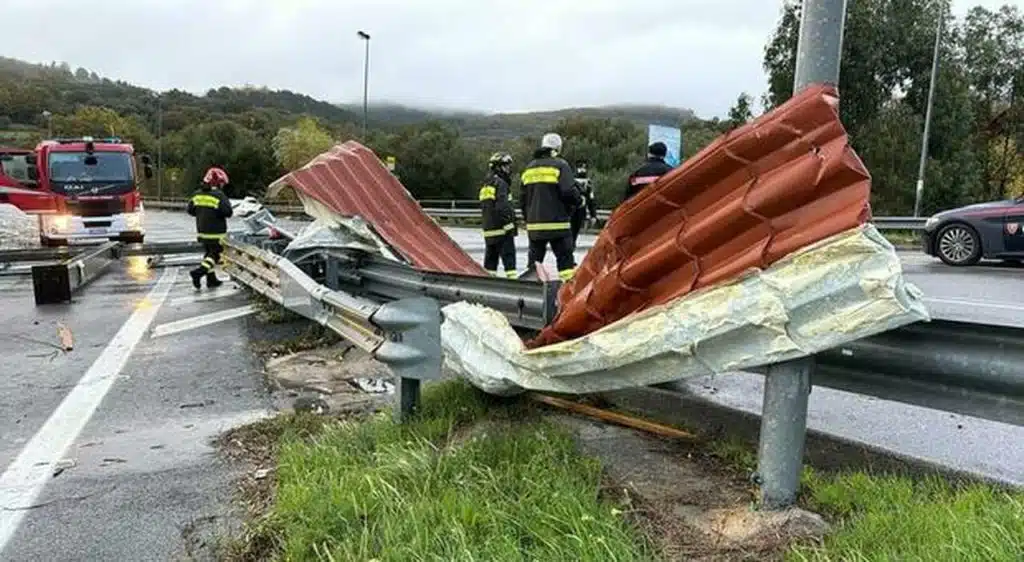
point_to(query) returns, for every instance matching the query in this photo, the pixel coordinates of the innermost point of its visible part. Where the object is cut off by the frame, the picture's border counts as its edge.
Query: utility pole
(787, 385)
(366, 78)
(49, 123)
(919, 191)
(159, 146)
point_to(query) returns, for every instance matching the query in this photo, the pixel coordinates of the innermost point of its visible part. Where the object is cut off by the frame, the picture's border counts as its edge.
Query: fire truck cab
(81, 188)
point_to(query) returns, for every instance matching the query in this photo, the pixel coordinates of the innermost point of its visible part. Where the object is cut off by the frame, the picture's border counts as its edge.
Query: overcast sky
(489, 55)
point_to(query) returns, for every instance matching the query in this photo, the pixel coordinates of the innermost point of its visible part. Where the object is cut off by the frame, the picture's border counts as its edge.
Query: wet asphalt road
(138, 475)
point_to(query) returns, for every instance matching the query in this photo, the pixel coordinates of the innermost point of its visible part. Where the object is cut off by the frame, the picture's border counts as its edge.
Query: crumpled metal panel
(349, 180)
(844, 288)
(784, 181)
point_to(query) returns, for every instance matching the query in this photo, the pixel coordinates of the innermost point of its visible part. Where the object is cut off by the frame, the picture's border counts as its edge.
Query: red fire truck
(81, 188)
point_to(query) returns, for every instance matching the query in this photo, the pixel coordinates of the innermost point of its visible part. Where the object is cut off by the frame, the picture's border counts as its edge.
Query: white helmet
(552, 141)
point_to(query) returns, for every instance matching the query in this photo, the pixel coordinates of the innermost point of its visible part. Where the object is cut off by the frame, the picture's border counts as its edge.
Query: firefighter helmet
(215, 177)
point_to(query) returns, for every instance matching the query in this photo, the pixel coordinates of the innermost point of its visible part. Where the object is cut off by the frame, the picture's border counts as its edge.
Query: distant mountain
(501, 126)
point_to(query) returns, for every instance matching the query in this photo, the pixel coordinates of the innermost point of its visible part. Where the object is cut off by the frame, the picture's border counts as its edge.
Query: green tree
(741, 111)
(295, 146)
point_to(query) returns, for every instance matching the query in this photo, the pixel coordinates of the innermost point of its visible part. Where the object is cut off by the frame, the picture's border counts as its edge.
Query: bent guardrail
(404, 334)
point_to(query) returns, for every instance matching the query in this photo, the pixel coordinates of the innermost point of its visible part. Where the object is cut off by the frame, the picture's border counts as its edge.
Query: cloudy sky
(489, 55)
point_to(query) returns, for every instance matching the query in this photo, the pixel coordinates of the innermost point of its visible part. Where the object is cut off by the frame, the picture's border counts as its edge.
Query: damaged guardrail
(404, 334)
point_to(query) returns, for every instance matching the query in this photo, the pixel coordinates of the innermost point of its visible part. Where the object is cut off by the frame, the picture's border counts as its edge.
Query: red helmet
(215, 177)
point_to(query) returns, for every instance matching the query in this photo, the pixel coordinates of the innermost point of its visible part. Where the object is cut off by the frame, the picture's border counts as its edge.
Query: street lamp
(366, 77)
(159, 145)
(919, 190)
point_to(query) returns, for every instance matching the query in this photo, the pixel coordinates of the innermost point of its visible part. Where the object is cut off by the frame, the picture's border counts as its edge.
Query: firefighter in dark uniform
(648, 172)
(548, 196)
(589, 206)
(211, 208)
(499, 217)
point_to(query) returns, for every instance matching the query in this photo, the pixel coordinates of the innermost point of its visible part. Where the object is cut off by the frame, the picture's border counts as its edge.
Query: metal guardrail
(469, 209)
(404, 334)
(55, 283)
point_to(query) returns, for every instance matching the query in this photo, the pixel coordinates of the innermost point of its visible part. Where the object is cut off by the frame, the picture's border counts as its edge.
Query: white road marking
(217, 294)
(26, 477)
(200, 321)
(967, 302)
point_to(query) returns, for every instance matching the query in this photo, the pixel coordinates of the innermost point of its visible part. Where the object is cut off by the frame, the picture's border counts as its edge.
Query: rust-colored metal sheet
(351, 181)
(777, 184)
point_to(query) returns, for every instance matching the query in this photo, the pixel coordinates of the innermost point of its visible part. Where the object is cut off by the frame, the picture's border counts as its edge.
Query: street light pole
(366, 78)
(49, 123)
(919, 191)
(159, 147)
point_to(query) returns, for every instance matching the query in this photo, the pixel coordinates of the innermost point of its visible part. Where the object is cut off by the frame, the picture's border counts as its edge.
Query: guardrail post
(413, 350)
(787, 387)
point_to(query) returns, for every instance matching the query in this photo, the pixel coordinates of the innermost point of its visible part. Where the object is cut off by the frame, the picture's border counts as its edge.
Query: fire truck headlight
(58, 224)
(133, 220)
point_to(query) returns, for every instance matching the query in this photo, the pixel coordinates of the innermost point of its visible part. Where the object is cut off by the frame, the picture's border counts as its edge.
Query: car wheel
(958, 244)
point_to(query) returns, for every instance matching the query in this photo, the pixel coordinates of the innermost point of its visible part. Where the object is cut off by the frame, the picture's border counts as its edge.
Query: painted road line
(217, 294)
(25, 478)
(966, 302)
(200, 321)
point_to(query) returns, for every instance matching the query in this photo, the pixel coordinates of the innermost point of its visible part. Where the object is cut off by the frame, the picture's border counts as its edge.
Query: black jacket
(211, 208)
(652, 169)
(548, 196)
(589, 206)
(499, 217)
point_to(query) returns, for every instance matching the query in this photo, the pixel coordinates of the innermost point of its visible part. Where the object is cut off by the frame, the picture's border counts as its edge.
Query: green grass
(374, 490)
(883, 518)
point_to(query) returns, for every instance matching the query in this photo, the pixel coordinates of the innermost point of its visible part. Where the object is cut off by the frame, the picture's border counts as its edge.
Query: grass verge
(898, 518)
(883, 517)
(449, 485)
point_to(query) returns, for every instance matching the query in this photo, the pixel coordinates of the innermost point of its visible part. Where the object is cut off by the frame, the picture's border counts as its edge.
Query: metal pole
(919, 191)
(788, 385)
(820, 46)
(783, 428)
(366, 79)
(159, 147)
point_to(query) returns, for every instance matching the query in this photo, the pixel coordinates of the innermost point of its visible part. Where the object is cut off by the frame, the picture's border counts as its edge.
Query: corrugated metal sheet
(351, 181)
(782, 182)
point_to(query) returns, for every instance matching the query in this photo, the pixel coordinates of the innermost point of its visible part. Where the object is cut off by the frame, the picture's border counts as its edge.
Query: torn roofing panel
(782, 182)
(350, 180)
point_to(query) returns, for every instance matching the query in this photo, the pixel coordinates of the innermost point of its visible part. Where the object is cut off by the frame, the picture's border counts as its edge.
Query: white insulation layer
(841, 289)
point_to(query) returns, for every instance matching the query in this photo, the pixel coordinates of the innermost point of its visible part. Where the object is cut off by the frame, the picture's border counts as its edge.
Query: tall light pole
(366, 77)
(159, 146)
(928, 117)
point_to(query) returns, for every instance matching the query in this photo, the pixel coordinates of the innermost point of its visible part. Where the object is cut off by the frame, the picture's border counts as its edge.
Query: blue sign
(673, 139)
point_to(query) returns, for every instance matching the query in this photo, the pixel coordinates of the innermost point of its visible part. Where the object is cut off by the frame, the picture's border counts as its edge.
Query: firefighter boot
(211, 280)
(197, 276)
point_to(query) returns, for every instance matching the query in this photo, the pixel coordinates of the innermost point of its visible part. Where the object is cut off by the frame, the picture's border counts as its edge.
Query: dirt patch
(690, 504)
(340, 378)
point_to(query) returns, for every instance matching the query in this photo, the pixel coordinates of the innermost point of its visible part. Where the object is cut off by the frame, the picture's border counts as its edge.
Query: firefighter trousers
(562, 247)
(503, 248)
(211, 253)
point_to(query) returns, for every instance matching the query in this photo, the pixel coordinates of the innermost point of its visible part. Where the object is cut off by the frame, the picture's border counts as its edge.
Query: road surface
(104, 449)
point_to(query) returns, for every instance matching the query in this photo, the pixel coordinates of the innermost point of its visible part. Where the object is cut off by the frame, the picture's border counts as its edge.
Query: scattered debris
(202, 404)
(113, 460)
(312, 405)
(262, 473)
(60, 466)
(374, 386)
(67, 339)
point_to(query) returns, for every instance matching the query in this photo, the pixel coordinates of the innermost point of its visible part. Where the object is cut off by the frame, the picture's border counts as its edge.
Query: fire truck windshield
(75, 172)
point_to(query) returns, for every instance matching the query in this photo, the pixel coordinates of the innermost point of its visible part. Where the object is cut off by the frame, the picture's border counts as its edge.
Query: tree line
(976, 146)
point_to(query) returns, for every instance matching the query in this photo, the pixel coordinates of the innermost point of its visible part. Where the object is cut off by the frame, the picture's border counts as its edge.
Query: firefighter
(652, 169)
(211, 208)
(499, 217)
(589, 206)
(548, 196)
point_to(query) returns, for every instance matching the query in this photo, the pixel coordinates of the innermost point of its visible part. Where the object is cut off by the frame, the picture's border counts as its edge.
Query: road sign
(673, 139)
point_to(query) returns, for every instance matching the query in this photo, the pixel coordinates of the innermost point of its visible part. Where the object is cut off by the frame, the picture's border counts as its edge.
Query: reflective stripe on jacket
(648, 173)
(548, 196)
(496, 208)
(211, 208)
